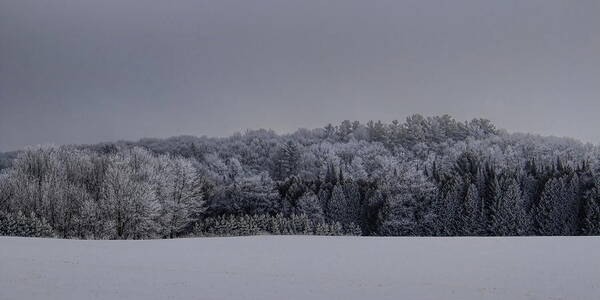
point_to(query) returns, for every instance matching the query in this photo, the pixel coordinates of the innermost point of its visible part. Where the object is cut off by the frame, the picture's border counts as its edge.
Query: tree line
(427, 176)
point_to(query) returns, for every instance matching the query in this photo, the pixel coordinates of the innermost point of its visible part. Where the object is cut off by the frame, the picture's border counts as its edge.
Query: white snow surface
(302, 267)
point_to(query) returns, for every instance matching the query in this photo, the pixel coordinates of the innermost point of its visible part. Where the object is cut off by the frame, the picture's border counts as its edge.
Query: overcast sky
(89, 71)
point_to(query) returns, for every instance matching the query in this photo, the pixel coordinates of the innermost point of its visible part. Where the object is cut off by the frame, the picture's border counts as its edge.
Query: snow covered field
(297, 267)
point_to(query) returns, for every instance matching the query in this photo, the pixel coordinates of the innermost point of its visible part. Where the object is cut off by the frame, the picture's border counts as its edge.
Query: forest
(426, 176)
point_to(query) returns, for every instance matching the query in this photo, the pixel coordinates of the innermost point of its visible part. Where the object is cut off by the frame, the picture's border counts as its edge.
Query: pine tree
(331, 174)
(23, 227)
(307, 225)
(7, 224)
(336, 229)
(275, 227)
(449, 211)
(546, 218)
(472, 216)
(338, 204)
(262, 222)
(244, 227)
(399, 216)
(591, 224)
(511, 218)
(344, 131)
(321, 229)
(377, 132)
(353, 229)
(287, 160)
(310, 206)
(585, 191)
(569, 206)
(490, 197)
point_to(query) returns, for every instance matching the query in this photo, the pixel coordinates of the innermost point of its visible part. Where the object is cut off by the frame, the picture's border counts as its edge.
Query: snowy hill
(299, 267)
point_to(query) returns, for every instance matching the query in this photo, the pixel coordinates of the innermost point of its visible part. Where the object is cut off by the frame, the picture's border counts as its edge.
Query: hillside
(426, 176)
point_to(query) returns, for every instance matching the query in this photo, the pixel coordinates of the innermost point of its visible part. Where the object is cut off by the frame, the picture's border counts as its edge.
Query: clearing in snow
(302, 267)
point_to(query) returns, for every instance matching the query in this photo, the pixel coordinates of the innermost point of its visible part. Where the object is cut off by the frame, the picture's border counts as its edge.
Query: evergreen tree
(490, 197)
(353, 229)
(376, 132)
(591, 224)
(344, 131)
(570, 203)
(309, 205)
(321, 229)
(338, 204)
(8, 225)
(449, 209)
(336, 229)
(306, 225)
(547, 217)
(511, 218)
(472, 216)
(287, 160)
(585, 191)
(399, 216)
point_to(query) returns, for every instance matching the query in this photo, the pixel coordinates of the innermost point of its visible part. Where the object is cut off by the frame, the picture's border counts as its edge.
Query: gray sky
(75, 71)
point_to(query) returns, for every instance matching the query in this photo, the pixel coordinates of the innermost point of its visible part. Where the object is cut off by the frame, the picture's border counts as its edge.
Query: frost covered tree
(510, 218)
(130, 200)
(472, 214)
(407, 205)
(252, 195)
(547, 218)
(338, 204)
(491, 198)
(422, 176)
(180, 194)
(310, 206)
(591, 224)
(287, 160)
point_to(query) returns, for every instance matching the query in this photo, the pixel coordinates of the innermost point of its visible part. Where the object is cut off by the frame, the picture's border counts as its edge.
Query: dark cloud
(75, 71)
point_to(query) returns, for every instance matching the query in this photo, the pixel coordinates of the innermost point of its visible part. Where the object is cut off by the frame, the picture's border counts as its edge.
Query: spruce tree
(591, 224)
(287, 160)
(338, 205)
(547, 217)
(511, 218)
(336, 229)
(472, 215)
(321, 229)
(449, 209)
(353, 229)
(310, 206)
(306, 225)
(491, 198)
(399, 216)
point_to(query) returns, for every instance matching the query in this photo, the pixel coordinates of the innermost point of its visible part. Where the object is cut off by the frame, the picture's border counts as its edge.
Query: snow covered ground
(298, 267)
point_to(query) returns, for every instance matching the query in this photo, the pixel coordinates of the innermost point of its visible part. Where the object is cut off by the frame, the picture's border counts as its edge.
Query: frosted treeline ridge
(427, 176)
